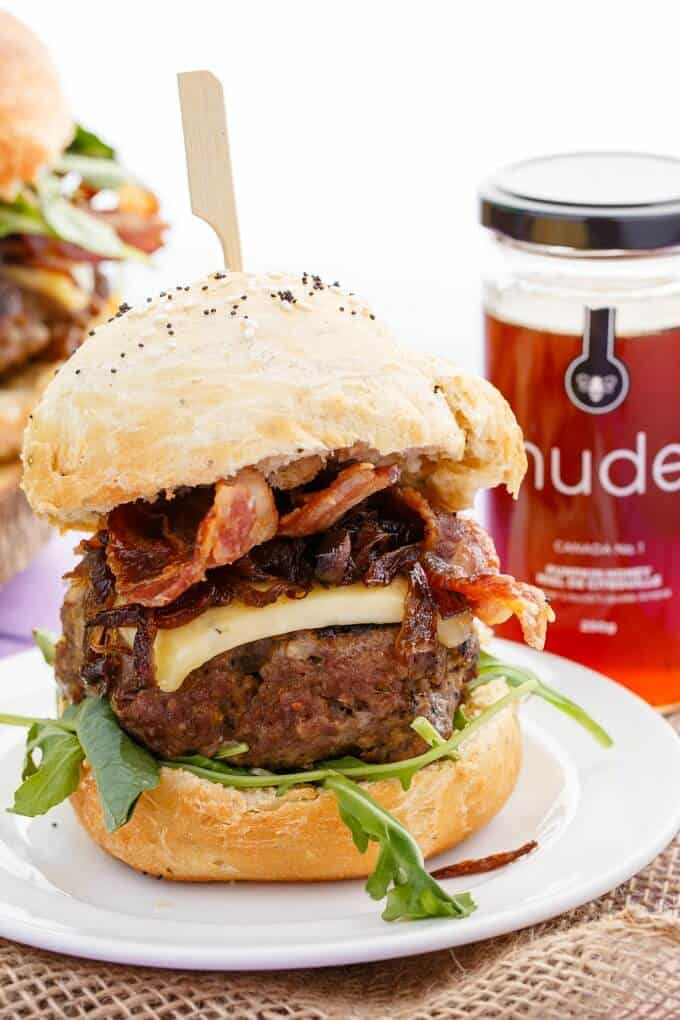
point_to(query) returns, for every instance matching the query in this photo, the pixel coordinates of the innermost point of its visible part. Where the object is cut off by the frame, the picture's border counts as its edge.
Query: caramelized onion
(483, 864)
(417, 637)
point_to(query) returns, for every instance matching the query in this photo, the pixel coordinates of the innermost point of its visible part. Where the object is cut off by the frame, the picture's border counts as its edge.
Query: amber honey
(597, 523)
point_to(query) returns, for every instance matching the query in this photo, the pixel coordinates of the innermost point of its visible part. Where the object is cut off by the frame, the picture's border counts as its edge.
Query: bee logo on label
(597, 381)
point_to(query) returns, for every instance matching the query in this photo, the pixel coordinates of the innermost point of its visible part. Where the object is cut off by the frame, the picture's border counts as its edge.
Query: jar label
(597, 523)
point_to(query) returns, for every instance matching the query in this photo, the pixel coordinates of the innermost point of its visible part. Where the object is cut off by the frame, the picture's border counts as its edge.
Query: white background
(361, 129)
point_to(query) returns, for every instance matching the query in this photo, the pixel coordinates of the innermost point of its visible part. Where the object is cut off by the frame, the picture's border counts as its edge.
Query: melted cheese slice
(181, 650)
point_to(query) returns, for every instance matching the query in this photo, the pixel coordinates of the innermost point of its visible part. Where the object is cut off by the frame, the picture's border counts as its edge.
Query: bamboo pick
(206, 146)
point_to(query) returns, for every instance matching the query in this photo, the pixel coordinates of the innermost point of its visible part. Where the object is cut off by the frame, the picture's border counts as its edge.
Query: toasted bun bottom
(21, 533)
(189, 829)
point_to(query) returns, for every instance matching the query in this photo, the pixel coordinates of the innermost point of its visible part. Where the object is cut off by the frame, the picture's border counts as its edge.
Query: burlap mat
(618, 958)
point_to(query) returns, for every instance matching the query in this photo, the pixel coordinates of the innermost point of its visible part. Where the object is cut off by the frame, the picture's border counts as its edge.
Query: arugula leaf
(8, 719)
(461, 719)
(201, 761)
(122, 769)
(412, 894)
(230, 750)
(340, 764)
(26, 721)
(447, 747)
(78, 226)
(100, 173)
(491, 668)
(86, 143)
(403, 770)
(429, 734)
(55, 777)
(47, 643)
(243, 778)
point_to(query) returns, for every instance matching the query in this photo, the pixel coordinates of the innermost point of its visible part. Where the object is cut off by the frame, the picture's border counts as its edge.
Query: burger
(68, 212)
(270, 666)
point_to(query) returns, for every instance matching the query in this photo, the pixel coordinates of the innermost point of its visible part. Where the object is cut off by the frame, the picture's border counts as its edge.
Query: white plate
(598, 815)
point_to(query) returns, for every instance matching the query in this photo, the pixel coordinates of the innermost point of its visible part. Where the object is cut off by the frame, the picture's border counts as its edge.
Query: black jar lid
(592, 201)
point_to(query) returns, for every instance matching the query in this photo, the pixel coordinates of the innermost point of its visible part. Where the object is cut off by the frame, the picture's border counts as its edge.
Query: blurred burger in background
(69, 212)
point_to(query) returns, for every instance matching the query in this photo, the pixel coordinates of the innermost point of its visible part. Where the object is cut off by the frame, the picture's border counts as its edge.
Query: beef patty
(32, 325)
(295, 699)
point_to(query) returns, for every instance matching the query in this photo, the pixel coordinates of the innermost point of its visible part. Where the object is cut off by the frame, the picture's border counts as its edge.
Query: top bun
(35, 124)
(242, 369)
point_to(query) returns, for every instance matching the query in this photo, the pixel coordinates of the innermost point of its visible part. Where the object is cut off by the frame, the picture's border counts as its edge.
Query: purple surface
(33, 598)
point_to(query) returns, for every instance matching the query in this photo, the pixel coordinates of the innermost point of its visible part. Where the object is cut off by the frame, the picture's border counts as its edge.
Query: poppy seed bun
(240, 370)
(189, 829)
(35, 124)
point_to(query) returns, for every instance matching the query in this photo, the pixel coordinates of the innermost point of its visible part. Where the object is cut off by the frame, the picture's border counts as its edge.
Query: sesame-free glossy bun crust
(189, 829)
(35, 124)
(240, 370)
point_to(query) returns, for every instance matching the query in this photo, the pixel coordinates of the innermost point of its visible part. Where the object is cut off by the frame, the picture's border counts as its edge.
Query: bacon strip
(322, 509)
(497, 597)
(157, 551)
(142, 232)
(243, 515)
(459, 557)
(482, 864)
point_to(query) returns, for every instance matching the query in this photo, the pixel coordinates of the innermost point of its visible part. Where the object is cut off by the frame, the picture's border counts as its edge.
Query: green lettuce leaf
(78, 226)
(22, 217)
(86, 143)
(100, 173)
(412, 894)
(122, 769)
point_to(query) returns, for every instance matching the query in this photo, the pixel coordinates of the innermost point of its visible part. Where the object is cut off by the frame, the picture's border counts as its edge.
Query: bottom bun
(189, 829)
(21, 533)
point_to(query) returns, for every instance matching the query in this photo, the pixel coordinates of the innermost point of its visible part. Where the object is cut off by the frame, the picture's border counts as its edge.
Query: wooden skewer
(206, 146)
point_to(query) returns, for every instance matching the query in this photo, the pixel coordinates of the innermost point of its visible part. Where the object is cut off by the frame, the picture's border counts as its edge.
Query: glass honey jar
(582, 336)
